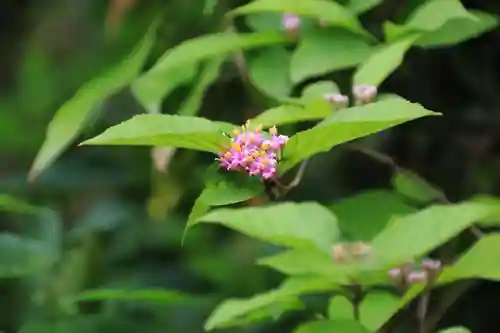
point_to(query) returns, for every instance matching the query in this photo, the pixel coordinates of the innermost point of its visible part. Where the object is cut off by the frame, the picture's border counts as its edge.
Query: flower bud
(364, 93)
(338, 101)
(396, 275)
(432, 267)
(359, 249)
(339, 253)
(417, 277)
(291, 24)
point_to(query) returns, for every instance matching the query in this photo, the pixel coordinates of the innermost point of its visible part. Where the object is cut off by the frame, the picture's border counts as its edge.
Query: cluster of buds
(253, 151)
(410, 273)
(364, 94)
(338, 101)
(349, 252)
(291, 23)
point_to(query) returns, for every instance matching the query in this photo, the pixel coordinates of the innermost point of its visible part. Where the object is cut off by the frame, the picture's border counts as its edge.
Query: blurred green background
(114, 221)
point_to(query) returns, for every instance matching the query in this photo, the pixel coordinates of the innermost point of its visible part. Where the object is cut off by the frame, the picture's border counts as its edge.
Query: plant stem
(422, 311)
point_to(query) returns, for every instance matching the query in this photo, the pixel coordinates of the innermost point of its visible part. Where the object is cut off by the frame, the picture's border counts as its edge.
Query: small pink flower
(417, 277)
(338, 101)
(291, 23)
(364, 93)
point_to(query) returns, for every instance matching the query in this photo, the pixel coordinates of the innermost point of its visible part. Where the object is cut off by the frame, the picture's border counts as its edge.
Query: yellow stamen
(227, 154)
(266, 145)
(258, 128)
(236, 146)
(265, 161)
(236, 132)
(249, 159)
(273, 130)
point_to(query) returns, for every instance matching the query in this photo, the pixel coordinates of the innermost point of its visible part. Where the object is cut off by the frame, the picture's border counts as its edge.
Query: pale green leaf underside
(299, 225)
(73, 115)
(189, 53)
(165, 130)
(349, 124)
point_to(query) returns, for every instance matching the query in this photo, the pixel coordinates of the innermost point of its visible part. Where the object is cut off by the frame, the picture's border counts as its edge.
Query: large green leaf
(330, 326)
(459, 329)
(432, 15)
(151, 87)
(325, 11)
(379, 206)
(383, 61)
(269, 71)
(480, 262)
(165, 130)
(235, 312)
(299, 262)
(299, 225)
(459, 30)
(321, 51)
(416, 234)
(20, 256)
(494, 208)
(349, 124)
(377, 308)
(74, 114)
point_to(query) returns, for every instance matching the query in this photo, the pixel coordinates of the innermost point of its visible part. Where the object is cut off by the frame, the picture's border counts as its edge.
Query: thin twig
(423, 302)
(298, 176)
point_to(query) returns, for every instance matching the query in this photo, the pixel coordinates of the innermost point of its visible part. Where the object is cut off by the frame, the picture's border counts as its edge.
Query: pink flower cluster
(253, 151)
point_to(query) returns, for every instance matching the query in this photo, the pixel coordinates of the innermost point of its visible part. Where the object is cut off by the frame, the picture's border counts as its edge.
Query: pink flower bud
(364, 93)
(339, 253)
(416, 277)
(291, 24)
(431, 265)
(337, 100)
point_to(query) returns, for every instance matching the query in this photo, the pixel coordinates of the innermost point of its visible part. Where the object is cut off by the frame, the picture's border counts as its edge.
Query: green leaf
(299, 262)
(11, 204)
(414, 235)
(269, 71)
(455, 330)
(165, 130)
(287, 114)
(349, 124)
(340, 307)
(152, 86)
(21, 256)
(383, 61)
(208, 76)
(222, 193)
(234, 312)
(361, 6)
(300, 285)
(299, 225)
(321, 51)
(480, 262)
(269, 21)
(74, 114)
(493, 204)
(459, 30)
(379, 206)
(322, 10)
(413, 186)
(330, 326)
(377, 308)
(146, 295)
(317, 90)
(432, 15)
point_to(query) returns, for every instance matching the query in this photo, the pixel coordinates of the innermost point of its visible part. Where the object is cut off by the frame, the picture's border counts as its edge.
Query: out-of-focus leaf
(349, 124)
(281, 224)
(432, 15)
(383, 61)
(11, 204)
(414, 235)
(234, 312)
(494, 208)
(21, 256)
(165, 130)
(148, 295)
(73, 115)
(317, 90)
(459, 30)
(379, 206)
(321, 51)
(151, 87)
(413, 186)
(376, 308)
(460, 329)
(361, 6)
(273, 21)
(340, 307)
(480, 262)
(322, 10)
(269, 71)
(329, 326)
